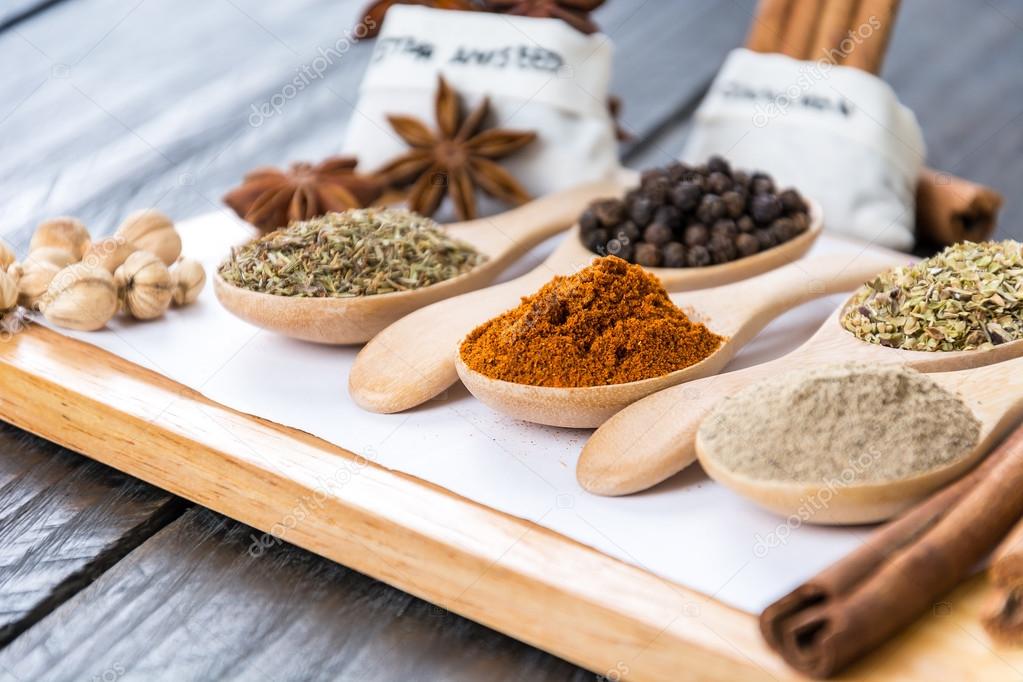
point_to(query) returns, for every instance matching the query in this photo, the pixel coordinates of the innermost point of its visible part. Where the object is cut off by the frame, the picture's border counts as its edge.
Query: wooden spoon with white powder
(856, 443)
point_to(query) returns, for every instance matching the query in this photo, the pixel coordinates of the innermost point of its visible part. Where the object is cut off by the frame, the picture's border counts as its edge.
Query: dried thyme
(968, 297)
(361, 252)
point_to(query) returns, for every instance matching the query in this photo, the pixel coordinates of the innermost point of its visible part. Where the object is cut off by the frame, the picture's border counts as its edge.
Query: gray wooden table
(108, 106)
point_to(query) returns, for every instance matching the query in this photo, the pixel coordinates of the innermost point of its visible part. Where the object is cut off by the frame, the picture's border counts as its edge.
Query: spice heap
(80, 284)
(610, 323)
(846, 424)
(692, 216)
(968, 297)
(457, 159)
(360, 252)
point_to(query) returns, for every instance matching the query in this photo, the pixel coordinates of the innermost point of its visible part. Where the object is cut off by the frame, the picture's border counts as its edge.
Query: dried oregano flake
(968, 297)
(361, 252)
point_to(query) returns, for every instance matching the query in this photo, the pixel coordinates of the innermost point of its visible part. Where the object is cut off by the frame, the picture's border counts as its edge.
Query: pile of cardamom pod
(80, 284)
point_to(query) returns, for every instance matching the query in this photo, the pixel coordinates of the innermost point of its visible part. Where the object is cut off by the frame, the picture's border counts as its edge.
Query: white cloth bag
(540, 75)
(837, 134)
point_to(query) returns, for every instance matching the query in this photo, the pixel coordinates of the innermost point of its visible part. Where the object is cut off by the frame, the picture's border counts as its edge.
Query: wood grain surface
(114, 106)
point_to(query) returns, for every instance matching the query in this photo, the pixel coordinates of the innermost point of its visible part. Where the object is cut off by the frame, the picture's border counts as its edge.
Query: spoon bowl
(993, 393)
(728, 311)
(655, 438)
(414, 359)
(502, 239)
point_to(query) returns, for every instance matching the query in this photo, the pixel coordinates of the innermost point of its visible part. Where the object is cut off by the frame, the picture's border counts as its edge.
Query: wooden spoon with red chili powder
(586, 346)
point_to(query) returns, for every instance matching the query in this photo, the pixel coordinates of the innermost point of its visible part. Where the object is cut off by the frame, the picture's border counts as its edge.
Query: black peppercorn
(716, 164)
(686, 196)
(741, 179)
(647, 255)
(674, 255)
(623, 250)
(651, 175)
(724, 227)
(746, 244)
(657, 234)
(801, 221)
(596, 240)
(668, 215)
(765, 207)
(609, 212)
(722, 248)
(697, 256)
(745, 224)
(735, 203)
(765, 238)
(641, 210)
(784, 229)
(677, 171)
(696, 235)
(629, 232)
(792, 202)
(711, 208)
(658, 190)
(761, 183)
(719, 183)
(588, 221)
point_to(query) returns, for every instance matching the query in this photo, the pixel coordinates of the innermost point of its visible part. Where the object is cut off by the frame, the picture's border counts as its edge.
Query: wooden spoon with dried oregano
(360, 252)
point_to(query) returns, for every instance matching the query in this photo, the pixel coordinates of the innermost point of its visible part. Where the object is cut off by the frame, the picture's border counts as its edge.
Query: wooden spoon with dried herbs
(341, 280)
(952, 294)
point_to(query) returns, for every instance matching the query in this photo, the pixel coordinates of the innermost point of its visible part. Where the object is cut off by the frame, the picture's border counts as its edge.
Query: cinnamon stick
(950, 209)
(1007, 562)
(1004, 620)
(859, 602)
(799, 29)
(768, 24)
(832, 28)
(871, 27)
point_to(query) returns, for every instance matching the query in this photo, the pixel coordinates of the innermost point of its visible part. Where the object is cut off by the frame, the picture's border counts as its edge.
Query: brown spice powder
(610, 323)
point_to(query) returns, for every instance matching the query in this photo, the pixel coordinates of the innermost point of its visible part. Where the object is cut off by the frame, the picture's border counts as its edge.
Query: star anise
(574, 12)
(373, 15)
(270, 198)
(456, 159)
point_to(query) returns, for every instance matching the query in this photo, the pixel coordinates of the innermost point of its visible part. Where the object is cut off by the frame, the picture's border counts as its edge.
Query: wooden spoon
(502, 238)
(413, 360)
(994, 393)
(655, 437)
(729, 311)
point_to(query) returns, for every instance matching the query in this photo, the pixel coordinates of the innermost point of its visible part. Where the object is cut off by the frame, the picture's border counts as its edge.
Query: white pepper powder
(849, 423)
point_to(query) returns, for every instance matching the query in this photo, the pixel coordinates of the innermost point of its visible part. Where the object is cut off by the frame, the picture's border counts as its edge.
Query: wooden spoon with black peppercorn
(413, 360)
(729, 311)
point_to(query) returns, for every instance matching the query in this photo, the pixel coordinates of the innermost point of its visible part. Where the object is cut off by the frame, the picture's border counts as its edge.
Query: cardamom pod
(144, 286)
(80, 297)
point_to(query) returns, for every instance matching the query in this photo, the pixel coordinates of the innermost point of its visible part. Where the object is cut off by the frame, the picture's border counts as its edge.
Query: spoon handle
(413, 360)
(742, 309)
(994, 392)
(511, 233)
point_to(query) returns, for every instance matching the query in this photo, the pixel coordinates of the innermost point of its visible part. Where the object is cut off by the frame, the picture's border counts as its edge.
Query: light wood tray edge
(507, 573)
(524, 580)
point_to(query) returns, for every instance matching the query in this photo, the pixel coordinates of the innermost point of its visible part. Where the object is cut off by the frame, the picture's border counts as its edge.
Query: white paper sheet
(689, 529)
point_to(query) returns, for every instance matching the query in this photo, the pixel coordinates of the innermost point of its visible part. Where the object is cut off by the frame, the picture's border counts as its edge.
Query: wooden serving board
(519, 578)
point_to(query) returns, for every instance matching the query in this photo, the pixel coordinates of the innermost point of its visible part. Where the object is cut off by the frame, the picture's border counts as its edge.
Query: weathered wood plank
(198, 602)
(64, 520)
